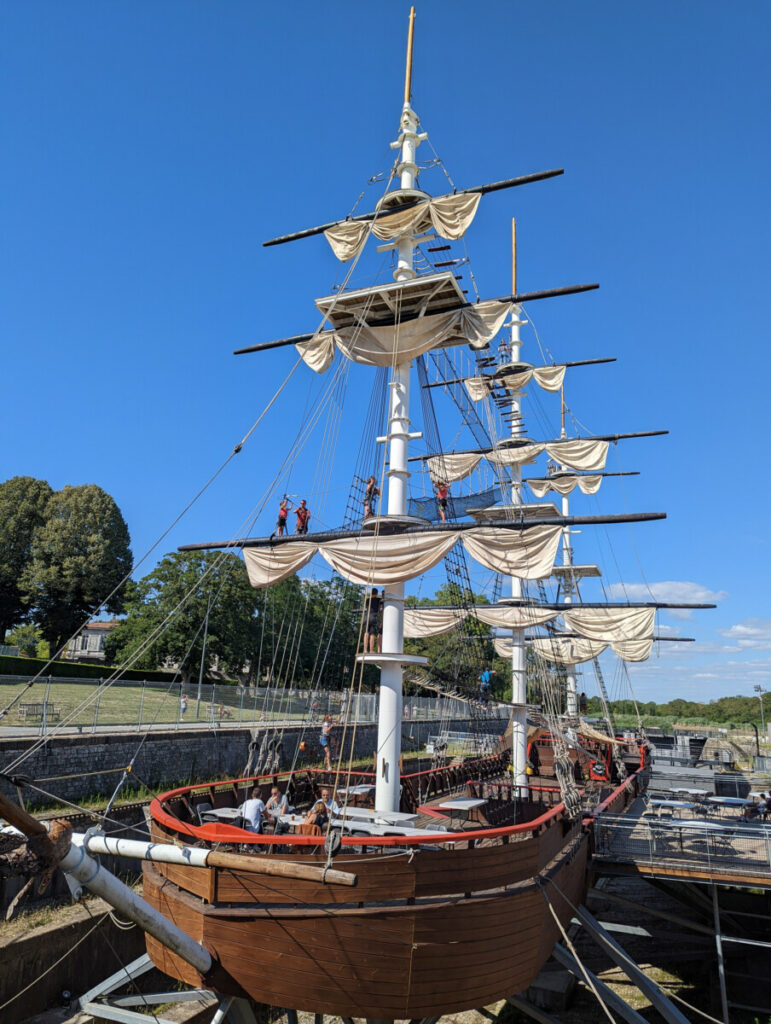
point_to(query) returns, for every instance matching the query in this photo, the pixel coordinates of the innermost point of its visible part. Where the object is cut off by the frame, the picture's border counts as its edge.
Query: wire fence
(712, 847)
(83, 705)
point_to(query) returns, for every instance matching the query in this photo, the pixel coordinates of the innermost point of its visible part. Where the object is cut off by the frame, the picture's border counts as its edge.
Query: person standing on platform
(371, 494)
(284, 508)
(372, 634)
(440, 489)
(303, 514)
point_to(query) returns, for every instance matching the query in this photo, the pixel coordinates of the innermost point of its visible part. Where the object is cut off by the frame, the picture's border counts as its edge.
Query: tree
(78, 556)
(28, 639)
(22, 509)
(181, 588)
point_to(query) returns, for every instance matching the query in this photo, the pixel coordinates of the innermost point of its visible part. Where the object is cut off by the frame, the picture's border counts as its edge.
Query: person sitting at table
(332, 806)
(751, 811)
(252, 810)
(317, 815)
(766, 800)
(277, 802)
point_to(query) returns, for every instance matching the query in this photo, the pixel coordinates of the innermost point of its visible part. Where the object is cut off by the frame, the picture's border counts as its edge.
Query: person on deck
(332, 806)
(284, 508)
(303, 514)
(582, 704)
(372, 633)
(317, 815)
(324, 740)
(371, 494)
(252, 810)
(440, 489)
(276, 806)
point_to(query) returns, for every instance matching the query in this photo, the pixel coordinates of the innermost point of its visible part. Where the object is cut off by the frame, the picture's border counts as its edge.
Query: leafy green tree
(78, 556)
(27, 638)
(22, 510)
(178, 592)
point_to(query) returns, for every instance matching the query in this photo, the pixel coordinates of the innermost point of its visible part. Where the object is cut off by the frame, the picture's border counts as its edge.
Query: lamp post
(760, 691)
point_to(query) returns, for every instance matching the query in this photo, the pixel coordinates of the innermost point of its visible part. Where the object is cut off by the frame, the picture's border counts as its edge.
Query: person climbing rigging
(371, 494)
(303, 514)
(284, 508)
(485, 682)
(440, 489)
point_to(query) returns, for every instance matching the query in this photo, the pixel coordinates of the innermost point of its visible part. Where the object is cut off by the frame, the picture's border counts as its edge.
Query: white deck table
(222, 814)
(395, 817)
(371, 828)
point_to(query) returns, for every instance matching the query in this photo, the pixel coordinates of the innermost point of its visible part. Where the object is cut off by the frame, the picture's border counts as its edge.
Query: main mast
(518, 646)
(571, 700)
(389, 739)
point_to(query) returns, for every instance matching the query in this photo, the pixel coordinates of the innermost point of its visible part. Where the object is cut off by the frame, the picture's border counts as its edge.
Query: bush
(72, 669)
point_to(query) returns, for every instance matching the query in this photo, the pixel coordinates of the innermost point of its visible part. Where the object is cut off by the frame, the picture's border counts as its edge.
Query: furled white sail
(564, 484)
(585, 454)
(513, 616)
(530, 555)
(581, 453)
(549, 378)
(385, 561)
(422, 622)
(473, 325)
(271, 565)
(381, 561)
(568, 650)
(450, 216)
(611, 624)
(427, 621)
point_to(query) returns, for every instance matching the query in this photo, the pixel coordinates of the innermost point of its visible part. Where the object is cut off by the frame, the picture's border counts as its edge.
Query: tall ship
(425, 889)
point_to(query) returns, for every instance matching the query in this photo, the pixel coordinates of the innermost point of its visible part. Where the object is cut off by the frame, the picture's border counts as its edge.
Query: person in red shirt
(440, 489)
(303, 515)
(283, 511)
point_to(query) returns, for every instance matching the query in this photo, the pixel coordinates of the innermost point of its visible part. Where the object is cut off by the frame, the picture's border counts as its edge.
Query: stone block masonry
(78, 767)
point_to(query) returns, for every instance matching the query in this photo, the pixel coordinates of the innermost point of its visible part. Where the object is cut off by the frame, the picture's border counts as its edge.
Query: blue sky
(149, 148)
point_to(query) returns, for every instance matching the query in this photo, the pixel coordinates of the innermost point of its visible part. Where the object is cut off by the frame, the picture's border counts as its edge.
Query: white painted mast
(571, 704)
(518, 647)
(389, 738)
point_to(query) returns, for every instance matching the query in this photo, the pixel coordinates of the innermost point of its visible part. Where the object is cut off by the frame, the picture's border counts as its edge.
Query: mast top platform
(392, 524)
(501, 513)
(421, 296)
(397, 197)
(575, 572)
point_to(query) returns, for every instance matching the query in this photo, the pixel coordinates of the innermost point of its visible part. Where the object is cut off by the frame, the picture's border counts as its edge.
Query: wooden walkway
(719, 850)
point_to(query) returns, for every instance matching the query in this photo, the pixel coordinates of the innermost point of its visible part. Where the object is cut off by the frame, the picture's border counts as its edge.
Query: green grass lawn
(82, 704)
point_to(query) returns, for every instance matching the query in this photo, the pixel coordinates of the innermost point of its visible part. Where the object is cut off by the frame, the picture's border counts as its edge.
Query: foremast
(571, 697)
(389, 738)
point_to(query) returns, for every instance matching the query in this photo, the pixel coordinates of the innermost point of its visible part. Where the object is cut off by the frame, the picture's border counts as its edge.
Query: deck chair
(201, 809)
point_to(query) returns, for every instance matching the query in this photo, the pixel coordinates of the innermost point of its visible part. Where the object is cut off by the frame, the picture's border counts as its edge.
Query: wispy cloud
(750, 635)
(667, 591)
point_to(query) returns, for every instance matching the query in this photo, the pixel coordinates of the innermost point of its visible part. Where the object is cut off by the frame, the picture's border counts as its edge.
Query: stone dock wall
(78, 767)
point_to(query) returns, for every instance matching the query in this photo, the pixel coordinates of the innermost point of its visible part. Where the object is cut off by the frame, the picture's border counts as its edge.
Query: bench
(36, 712)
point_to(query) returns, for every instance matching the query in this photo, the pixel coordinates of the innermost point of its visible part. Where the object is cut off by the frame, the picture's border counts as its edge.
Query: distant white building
(88, 645)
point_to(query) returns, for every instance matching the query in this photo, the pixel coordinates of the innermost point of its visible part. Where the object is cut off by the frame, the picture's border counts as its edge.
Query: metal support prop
(615, 1002)
(719, 948)
(649, 988)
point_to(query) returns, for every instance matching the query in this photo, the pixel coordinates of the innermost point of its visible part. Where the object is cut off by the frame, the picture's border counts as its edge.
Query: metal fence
(88, 705)
(713, 847)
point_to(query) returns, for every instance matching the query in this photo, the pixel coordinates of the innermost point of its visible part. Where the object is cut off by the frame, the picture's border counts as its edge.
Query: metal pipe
(80, 866)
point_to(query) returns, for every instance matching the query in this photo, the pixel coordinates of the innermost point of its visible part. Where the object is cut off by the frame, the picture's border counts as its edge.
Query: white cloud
(750, 635)
(667, 591)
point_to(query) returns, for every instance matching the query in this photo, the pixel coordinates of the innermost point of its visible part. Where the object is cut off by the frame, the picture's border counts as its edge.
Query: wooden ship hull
(451, 923)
